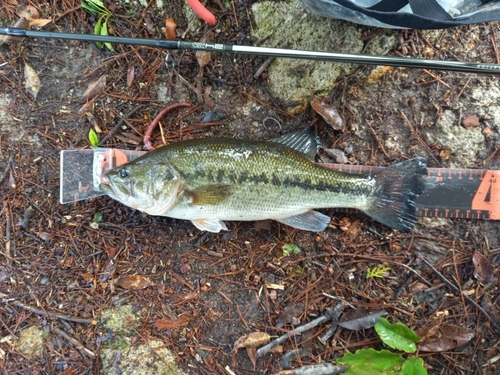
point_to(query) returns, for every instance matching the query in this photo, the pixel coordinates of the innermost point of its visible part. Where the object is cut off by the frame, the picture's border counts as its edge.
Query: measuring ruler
(451, 193)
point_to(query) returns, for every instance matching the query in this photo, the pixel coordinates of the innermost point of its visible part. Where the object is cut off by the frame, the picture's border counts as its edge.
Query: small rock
(337, 154)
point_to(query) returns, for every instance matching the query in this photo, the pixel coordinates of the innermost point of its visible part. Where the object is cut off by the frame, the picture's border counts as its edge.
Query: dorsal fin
(304, 141)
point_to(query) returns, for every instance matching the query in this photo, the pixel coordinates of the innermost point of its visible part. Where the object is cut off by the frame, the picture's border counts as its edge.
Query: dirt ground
(65, 269)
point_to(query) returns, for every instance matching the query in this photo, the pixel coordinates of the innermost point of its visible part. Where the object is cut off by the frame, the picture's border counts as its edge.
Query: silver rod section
(458, 66)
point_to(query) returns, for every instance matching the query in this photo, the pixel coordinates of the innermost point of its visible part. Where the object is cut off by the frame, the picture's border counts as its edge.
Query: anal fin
(311, 220)
(210, 225)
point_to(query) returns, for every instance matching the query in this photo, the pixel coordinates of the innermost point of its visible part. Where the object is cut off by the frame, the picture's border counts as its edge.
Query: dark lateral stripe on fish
(220, 177)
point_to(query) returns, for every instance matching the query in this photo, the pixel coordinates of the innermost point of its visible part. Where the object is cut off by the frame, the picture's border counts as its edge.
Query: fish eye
(123, 173)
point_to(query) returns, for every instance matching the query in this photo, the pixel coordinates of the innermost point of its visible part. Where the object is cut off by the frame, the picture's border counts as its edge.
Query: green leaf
(397, 336)
(413, 366)
(289, 249)
(104, 31)
(372, 362)
(90, 7)
(93, 138)
(378, 272)
(97, 217)
(97, 30)
(97, 5)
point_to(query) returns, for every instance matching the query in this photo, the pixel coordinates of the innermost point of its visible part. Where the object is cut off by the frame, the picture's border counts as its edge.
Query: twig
(4, 174)
(330, 313)
(335, 323)
(415, 134)
(293, 355)
(51, 314)
(494, 44)
(120, 123)
(321, 369)
(436, 78)
(455, 288)
(152, 126)
(78, 346)
(379, 142)
(263, 67)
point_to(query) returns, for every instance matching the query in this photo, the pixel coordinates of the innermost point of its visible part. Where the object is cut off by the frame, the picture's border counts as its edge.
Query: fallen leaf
(32, 84)
(483, 270)
(95, 88)
(252, 340)
(204, 57)
(470, 121)
(27, 11)
(353, 230)
(39, 22)
(134, 282)
(445, 338)
(87, 107)
(130, 76)
(170, 28)
(289, 312)
(338, 155)
(252, 354)
(491, 309)
(329, 113)
(167, 323)
(361, 318)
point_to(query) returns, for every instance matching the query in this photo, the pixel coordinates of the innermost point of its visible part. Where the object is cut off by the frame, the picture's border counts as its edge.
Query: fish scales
(264, 178)
(215, 179)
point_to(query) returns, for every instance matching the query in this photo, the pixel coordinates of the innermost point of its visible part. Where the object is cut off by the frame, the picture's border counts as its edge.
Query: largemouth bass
(215, 179)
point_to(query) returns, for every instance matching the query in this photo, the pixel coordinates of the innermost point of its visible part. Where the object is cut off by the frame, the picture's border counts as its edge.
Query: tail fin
(397, 188)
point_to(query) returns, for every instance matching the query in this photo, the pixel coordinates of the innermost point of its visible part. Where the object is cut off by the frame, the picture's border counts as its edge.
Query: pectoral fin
(209, 194)
(310, 220)
(210, 225)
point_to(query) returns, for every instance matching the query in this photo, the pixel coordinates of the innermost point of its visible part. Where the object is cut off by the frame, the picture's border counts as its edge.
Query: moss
(30, 342)
(151, 358)
(121, 320)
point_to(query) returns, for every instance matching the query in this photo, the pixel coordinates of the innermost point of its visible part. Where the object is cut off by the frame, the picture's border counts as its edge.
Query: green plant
(93, 138)
(385, 362)
(97, 7)
(289, 249)
(378, 272)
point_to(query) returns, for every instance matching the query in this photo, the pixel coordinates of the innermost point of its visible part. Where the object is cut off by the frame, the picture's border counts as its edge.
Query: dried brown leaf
(353, 230)
(95, 88)
(470, 121)
(168, 323)
(40, 22)
(204, 57)
(134, 282)
(293, 310)
(483, 270)
(32, 83)
(86, 108)
(338, 155)
(130, 76)
(252, 340)
(170, 28)
(68, 371)
(252, 354)
(27, 11)
(446, 337)
(329, 113)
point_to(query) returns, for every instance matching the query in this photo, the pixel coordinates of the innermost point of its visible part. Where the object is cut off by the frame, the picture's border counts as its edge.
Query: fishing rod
(458, 66)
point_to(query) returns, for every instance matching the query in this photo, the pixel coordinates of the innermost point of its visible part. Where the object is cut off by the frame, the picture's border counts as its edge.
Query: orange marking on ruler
(487, 197)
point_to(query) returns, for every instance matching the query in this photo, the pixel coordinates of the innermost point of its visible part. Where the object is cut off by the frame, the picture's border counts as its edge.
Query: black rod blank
(458, 66)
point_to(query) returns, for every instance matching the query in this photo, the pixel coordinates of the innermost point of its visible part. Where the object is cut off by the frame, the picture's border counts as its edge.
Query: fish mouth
(105, 188)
